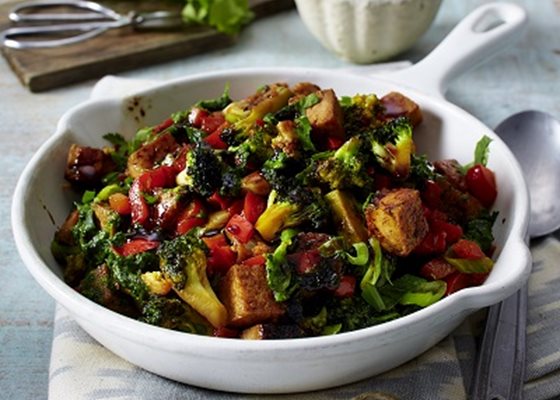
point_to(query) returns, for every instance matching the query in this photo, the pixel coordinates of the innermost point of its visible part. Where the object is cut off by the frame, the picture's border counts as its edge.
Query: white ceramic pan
(295, 364)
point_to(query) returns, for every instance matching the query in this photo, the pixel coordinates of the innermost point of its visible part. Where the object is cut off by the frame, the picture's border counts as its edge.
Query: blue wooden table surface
(525, 76)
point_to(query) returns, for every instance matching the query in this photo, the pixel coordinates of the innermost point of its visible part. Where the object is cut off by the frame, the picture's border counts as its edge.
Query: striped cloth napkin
(81, 368)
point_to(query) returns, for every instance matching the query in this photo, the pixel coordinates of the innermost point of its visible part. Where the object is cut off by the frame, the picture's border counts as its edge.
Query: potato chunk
(398, 221)
(247, 297)
(150, 154)
(86, 166)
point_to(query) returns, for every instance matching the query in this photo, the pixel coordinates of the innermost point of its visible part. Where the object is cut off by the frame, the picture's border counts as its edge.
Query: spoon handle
(500, 368)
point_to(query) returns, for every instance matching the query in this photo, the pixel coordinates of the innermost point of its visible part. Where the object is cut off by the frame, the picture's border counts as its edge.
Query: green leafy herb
(481, 152)
(226, 16)
(278, 274)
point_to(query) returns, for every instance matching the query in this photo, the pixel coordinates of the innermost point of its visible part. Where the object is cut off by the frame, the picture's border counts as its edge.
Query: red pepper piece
(253, 206)
(239, 227)
(162, 126)
(136, 246)
(456, 282)
(347, 286)
(467, 249)
(212, 121)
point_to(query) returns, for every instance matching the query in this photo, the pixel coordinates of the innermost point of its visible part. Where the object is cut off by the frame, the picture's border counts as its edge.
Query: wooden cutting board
(119, 49)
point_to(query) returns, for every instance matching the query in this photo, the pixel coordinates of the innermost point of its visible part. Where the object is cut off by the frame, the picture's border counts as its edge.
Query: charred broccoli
(183, 262)
(203, 172)
(343, 168)
(392, 146)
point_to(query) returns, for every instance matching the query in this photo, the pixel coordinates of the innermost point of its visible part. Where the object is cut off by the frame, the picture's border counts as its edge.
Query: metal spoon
(534, 138)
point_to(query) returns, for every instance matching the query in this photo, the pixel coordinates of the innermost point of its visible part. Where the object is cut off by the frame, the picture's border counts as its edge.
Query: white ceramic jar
(365, 31)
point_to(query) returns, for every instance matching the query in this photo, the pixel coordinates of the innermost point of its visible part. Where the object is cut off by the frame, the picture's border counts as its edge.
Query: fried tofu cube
(326, 117)
(247, 296)
(398, 221)
(397, 105)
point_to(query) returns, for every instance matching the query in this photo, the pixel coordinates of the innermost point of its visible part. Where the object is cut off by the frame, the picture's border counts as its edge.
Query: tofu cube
(247, 297)
(326, 117)
(398, 221)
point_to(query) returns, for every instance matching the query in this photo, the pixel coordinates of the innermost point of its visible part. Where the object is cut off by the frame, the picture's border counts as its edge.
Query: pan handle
(480, 35)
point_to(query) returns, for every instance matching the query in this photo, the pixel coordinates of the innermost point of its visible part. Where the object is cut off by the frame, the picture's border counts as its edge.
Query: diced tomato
(184, 225)
(467, 249)
(452, 232)
(236, 207)
(347, 286)
(456, 282)
(138, 207)
(119, 203)
(431, 194)
(255, 260)
(163, 176)
(191, 217)
(180, 161)
(162, 126)
(224, 332)
(253, 206)
(433, 243)
(220, 259)
(437, 269)
(212, 121)
(239, 227)
(214, 139)
(481, 183)
(196, 116)
(136, 246)
(219, 201)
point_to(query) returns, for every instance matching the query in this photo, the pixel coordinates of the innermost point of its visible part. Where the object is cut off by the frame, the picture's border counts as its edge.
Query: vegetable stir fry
(289, 213)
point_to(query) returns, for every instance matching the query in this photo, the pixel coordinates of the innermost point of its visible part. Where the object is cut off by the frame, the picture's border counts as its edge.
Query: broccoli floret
(360, 113)
(300, 207)
(280, 171)
(392, 146)
(172, 313)
(231, 182)
(203, 172)
(252, 147)
(183, 261)
(243, 114)
(127, 271)
(344, 168)
(355, 313)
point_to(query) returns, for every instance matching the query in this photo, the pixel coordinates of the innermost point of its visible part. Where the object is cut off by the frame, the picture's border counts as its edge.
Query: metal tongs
(80, 20)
